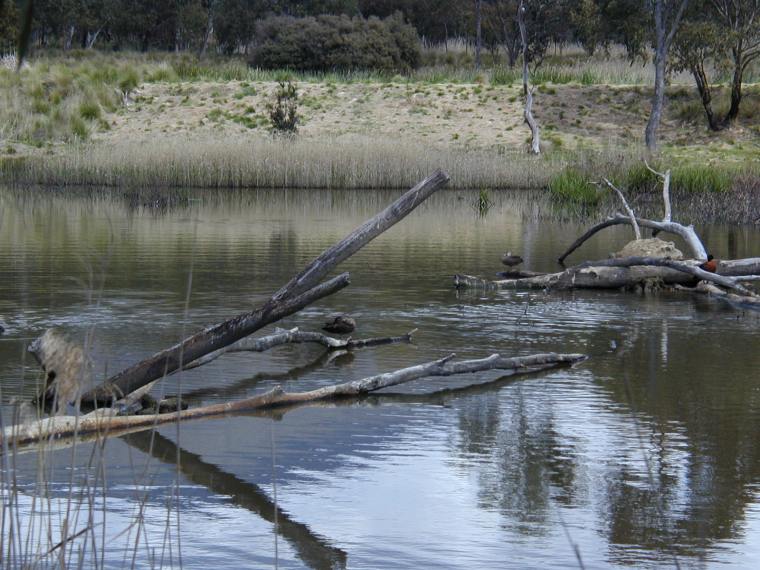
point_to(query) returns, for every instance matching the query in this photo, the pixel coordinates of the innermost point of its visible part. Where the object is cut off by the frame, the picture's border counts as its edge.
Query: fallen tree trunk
(686, 232)
(691, 269)
(104, 422)
(200, 344)
(599, 276)
(299, 292)
(295, 336)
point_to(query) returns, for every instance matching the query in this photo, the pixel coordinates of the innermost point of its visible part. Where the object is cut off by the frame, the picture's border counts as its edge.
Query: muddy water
(646, 455)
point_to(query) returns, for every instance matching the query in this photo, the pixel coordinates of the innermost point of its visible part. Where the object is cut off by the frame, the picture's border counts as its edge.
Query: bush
(283, 112)
(328, 43)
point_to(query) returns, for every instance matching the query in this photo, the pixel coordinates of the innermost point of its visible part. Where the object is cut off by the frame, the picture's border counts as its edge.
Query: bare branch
(665, 190)
(296, 336)
(631, 215)
(686, 232)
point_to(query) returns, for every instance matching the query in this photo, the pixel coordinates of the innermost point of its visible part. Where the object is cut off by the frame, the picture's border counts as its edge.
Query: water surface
(646, 455)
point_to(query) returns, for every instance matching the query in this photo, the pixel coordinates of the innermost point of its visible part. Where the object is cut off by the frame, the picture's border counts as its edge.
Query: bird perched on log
(340, 324)
(511, 260)
(710, 265)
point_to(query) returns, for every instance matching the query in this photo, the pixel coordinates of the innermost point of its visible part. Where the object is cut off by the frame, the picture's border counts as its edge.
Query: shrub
(328, 43)
(89, 110)
(283, 111)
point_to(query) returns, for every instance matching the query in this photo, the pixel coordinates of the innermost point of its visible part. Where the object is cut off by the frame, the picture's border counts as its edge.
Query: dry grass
(282, 163)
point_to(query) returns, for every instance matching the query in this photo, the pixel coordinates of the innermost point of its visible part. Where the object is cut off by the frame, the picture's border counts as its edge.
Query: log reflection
(311, 549)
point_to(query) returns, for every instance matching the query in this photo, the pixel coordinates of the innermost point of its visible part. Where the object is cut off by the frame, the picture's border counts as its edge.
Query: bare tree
(667, 17)
(535, 145)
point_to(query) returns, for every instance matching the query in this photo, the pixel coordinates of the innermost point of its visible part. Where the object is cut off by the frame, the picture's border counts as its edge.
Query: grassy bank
(175, 121)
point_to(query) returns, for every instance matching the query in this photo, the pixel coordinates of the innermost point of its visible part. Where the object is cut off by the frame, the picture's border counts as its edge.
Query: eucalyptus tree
(667, 16)
(740, 20)
(723, 35)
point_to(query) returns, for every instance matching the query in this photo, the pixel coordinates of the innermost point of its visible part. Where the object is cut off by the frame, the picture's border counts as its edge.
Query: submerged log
(298, 293)
(522, 274)
(105, 423)
(296, 336)
(738, 301)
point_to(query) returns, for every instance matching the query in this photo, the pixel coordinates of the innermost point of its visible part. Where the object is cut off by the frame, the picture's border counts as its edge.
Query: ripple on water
(645, 450)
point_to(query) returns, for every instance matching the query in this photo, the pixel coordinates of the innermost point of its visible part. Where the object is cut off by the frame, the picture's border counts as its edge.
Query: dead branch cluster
(115, 401)
(726, 279)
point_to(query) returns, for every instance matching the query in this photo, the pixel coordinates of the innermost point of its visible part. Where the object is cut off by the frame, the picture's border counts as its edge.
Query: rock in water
(653, 247)
(68, 369)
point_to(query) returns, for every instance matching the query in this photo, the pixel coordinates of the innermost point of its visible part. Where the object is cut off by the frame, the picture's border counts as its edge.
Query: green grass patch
(573, 187)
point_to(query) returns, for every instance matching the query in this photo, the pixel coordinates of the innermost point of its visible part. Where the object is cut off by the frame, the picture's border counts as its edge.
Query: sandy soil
(459, 115)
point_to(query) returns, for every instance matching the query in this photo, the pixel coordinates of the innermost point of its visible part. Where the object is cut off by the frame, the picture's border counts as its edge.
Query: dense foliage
(328, 43)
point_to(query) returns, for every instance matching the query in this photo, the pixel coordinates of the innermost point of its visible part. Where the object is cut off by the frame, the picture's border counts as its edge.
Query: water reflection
(311, 549)
(647, 452)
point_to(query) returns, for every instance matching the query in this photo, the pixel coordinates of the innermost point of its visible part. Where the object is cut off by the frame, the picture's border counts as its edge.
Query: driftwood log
(298, 293)
(614, 274)
(104, 422)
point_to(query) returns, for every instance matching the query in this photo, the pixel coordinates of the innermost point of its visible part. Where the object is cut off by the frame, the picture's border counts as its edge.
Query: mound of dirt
(653, 247)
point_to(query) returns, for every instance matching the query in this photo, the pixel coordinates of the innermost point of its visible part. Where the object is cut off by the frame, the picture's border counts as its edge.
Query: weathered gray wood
(106, 423)
(204, 342)
(686, 232)
(296, 336)
(68, 369)
(628, 209)
(361, 236)
(624, 272)
(587, 278)
(283, 303)
(535, 145)
(691, 269)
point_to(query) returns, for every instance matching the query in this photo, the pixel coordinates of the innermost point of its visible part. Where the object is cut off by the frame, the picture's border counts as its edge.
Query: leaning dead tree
(530, 120)
(301, 291)
(118, 393)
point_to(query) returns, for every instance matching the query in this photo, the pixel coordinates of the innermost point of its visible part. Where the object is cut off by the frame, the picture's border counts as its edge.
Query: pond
(648, 454)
